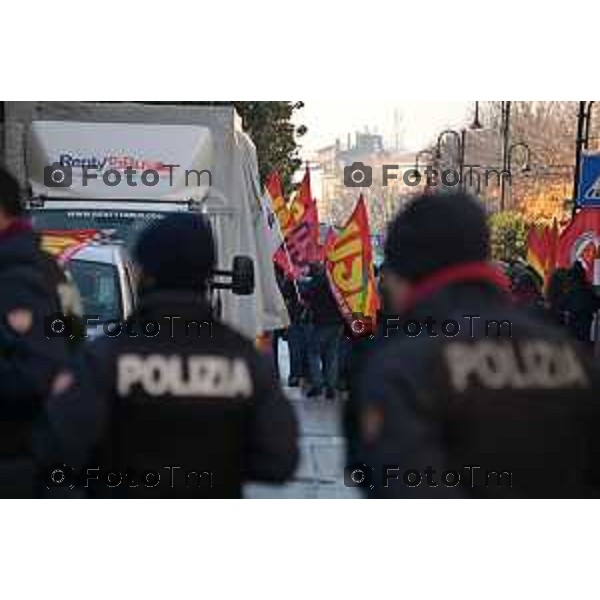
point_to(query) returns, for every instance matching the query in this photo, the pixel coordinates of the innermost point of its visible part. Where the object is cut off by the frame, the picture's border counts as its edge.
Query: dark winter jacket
(509, 404)
(195, 406)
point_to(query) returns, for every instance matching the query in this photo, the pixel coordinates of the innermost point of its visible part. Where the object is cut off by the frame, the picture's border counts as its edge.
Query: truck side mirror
(242, 276)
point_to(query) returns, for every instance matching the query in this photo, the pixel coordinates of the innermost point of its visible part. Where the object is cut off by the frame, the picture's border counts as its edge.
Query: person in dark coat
(324, 333)
(473, 396)
(580, 303)
(571, 302)
(294, 334)
(29, 358)
(556, 295)
(190, 409)
(526, 290)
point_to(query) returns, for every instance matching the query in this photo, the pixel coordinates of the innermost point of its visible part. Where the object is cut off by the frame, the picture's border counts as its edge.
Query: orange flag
(349, 262)
(542, 249)
(280, 207)
(537, 249)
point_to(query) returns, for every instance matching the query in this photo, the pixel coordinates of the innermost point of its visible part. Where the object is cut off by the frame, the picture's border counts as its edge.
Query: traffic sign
(589, 182)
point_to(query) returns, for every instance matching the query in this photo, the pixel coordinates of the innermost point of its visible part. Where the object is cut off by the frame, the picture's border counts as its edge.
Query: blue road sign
(589, 182)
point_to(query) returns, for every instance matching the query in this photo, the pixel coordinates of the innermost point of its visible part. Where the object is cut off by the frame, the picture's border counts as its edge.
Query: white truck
(95, 166)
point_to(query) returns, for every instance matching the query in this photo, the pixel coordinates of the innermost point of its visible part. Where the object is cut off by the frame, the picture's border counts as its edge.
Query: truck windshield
(125, 224)
(98, 285)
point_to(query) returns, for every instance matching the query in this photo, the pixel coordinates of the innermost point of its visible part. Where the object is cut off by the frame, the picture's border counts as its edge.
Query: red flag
(302, 236)
(280, 207)
(304, 210)
(273, 185)
(580, 241)
(350, 267)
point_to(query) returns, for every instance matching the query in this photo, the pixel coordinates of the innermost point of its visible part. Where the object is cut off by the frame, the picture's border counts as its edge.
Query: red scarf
(19, 225)
(480, 272)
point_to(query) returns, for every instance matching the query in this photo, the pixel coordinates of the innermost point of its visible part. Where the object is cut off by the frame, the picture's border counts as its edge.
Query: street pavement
(320, 473)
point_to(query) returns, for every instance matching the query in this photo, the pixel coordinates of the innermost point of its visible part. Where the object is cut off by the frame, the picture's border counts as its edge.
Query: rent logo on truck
(112, 169)
(112, 162)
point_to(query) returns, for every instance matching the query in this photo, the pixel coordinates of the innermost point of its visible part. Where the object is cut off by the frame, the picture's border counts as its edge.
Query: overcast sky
(419, 122)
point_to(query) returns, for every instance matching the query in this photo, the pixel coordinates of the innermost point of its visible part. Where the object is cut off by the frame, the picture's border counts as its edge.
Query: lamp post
(461, 139)
(476, 124)
(419, 155)
(579, 142)
(432, 157)
(445, 133)
(460, 144)
(506, 106)
(588, 121)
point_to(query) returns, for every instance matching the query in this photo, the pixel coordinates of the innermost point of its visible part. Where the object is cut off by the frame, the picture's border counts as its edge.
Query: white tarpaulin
(72, 159)
(242, 225)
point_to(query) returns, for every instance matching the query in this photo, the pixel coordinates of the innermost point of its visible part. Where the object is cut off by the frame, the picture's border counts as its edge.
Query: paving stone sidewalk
(320, 473)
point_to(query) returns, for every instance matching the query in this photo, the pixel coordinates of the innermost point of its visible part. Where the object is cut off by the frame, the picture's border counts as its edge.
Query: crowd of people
(567, 300)
(315, 334)
(448, 412)
(572, 303)
(320, 344)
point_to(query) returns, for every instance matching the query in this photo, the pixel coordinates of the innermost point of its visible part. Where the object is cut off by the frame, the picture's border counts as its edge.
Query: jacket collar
(17, 226)
(467, 273)
(174, 302)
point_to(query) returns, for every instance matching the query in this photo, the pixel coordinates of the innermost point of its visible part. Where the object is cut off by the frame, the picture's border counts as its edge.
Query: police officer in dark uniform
(29, 360)
(177, 404)
(469, 395)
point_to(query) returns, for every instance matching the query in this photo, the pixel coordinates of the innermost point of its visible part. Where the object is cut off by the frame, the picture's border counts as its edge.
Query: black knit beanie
(434, 232)
(178, 251)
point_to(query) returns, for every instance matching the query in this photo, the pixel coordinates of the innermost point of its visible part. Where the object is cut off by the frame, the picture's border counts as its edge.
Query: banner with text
(299, 225)
(349, 262)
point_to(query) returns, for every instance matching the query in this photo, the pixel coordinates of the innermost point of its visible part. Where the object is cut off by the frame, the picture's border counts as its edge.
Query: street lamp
(506, 106)
(476, 124)
(445, 133)
(461, 138)
(588, 120)
(419, 154)
(460, 143)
